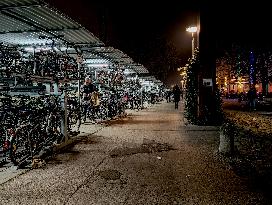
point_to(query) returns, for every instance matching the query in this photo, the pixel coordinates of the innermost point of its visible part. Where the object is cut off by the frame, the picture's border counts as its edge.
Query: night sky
(247, 23)
(154, 35)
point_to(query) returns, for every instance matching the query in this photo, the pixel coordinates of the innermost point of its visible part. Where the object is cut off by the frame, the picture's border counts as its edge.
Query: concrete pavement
(149, 157)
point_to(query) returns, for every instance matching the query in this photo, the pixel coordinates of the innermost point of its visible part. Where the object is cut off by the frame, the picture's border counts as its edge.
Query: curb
(190, 127)
(11, 173)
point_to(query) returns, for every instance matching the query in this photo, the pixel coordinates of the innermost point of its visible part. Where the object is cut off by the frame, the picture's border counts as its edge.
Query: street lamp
(192, 29)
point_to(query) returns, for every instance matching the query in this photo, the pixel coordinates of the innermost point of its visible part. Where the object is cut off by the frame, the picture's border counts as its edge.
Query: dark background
(153, 33)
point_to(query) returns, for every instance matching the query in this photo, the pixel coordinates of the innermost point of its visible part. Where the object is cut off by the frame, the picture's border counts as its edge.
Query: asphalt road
(149, 157)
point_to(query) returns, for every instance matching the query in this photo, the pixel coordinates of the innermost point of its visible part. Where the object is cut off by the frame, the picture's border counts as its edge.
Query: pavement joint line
(86, 180)
(156, 130)
(201, 130)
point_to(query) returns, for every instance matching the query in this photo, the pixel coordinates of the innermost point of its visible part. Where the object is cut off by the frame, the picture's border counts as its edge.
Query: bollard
(226, 145)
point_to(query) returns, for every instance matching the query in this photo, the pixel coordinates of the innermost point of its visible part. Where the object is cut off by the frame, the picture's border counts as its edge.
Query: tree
(263, 66)
(191, 93)
(162, 58)
(254, 63)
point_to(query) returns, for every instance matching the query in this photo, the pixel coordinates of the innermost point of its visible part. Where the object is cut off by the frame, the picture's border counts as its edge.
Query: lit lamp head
(191, 29)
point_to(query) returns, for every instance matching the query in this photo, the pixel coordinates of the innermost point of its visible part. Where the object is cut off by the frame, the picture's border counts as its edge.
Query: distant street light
(192, 29)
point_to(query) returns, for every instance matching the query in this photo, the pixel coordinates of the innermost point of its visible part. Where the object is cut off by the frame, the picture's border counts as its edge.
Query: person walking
(176, 93)
(87, 88)
(181, 94)
(86, 92)
(168, 96)
(252, 95)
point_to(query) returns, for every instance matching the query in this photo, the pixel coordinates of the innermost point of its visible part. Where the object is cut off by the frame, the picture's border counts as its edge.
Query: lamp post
(192, 29)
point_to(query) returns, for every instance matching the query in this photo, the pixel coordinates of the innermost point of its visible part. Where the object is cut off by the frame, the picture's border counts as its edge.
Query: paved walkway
(150, 157)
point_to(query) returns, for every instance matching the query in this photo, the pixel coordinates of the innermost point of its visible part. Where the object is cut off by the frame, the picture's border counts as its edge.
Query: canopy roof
(35, 23)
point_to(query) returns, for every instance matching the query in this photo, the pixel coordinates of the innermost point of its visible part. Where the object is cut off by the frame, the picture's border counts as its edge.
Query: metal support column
(78, 90)
(35, 64)
(64, 121)
(193, 45)
(56, 89)
(142, 104)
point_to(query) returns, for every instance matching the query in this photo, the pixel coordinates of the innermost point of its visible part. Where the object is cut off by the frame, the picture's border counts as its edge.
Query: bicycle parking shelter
(30, 28)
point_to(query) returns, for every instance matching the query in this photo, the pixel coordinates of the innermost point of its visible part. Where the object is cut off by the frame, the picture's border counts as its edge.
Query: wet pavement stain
(147, 147)
(55, 161)
(154, 146)
(65, 156)
(110, 174)
(88, 141)
(91, 139)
